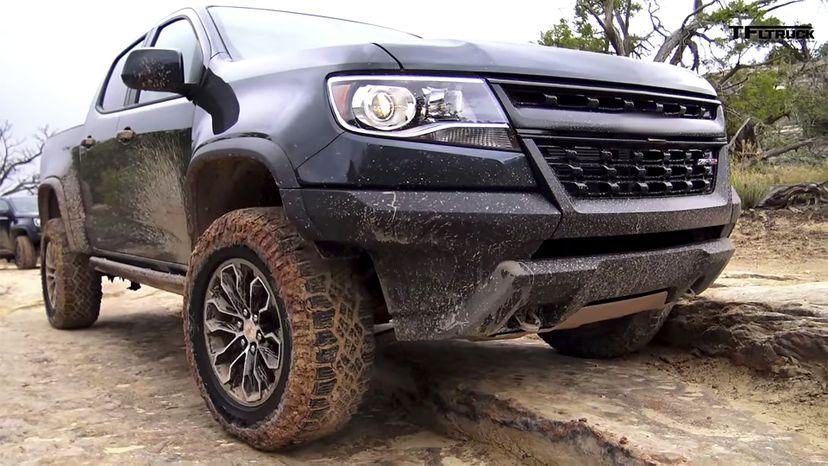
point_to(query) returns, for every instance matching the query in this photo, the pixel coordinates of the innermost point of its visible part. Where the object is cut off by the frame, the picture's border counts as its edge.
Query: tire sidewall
(229, 409)
(45, 242)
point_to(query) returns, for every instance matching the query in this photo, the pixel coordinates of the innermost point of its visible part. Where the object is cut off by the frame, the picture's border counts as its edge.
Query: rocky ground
(739, 375)
(783, 242)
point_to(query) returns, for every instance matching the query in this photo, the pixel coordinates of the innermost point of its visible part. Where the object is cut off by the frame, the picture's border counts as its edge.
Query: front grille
(604, 168)
(607, 100)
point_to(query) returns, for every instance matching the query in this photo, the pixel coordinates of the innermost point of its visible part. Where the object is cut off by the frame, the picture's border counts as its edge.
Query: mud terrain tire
(609, 338)
(76, 300)
(25, 255)
(327, 321)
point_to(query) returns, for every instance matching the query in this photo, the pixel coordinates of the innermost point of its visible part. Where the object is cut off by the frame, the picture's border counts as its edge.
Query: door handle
(87, 142)
(126, 135)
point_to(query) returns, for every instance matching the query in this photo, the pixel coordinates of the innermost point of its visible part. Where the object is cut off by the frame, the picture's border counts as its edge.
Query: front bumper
(458, 264)
(563, 286)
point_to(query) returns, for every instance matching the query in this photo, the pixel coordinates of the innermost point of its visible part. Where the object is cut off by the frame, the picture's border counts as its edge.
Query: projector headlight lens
(385, 108)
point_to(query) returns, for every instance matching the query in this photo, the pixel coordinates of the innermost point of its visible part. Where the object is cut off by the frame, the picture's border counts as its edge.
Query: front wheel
(608, 338)
(279, 340)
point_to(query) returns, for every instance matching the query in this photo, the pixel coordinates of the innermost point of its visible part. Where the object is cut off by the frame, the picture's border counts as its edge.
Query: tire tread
(25, 255)
(78, 300)
(330, 315)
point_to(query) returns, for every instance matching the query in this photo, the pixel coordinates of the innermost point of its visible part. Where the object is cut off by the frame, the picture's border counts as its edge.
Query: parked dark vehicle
(19, 230)
(305, 181)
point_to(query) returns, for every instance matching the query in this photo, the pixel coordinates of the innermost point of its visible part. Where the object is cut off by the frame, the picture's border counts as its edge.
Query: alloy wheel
(243, 332)
(51, 274)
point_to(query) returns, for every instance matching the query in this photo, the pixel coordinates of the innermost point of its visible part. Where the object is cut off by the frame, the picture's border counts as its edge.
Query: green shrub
(753, 183)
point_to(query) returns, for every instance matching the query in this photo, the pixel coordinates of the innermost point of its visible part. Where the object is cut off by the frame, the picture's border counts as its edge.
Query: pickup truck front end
(564, 195)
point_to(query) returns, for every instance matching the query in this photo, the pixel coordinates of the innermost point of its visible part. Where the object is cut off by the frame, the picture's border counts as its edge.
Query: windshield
(250, 32)
(24, 204)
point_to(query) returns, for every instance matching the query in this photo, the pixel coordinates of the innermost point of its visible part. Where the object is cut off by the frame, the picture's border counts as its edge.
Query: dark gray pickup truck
(306, 182)
(19, 230)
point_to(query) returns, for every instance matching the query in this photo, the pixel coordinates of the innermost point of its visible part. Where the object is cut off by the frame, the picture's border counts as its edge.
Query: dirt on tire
(329, 317)
(24, 253)
(610, 338)
(77, 299)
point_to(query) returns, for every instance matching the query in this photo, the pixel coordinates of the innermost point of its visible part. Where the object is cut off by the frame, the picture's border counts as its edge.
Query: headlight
(459, 111)
(36, 221)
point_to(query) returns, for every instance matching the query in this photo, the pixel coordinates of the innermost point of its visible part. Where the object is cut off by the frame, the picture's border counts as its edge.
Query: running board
(164, 281)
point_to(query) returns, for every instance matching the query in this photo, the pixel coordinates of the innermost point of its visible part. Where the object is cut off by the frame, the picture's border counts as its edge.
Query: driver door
(148, 164)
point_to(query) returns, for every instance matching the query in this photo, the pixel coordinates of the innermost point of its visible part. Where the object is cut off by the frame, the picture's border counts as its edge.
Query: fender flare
(256, 147)
(70, 206)
(21, 231)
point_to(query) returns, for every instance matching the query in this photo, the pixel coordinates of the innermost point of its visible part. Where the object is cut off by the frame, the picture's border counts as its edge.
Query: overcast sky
(55, 54)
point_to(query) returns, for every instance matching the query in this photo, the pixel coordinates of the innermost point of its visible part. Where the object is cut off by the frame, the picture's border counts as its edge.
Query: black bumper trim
(563, 286)
(458, 264)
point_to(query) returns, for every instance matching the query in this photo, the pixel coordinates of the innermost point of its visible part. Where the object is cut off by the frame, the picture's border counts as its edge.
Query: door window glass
(115, 90)
(178, 35)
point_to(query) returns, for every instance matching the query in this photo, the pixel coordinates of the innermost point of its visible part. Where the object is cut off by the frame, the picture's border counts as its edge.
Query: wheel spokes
(215, 325)
(229, 374)
(229, 278)
(221, 305)
(228, 349)
(243, 332)
(270, 357)
(51, 273)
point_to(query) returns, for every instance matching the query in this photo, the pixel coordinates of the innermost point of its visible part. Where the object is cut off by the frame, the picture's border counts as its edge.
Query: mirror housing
(153, 69)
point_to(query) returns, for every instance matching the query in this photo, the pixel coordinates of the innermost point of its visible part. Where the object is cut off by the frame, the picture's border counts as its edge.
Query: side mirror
(151, 69)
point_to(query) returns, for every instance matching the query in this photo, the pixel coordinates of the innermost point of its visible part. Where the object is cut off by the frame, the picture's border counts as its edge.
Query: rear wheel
(71, 288)
(24, 253)
(608, 338)
(279, 340)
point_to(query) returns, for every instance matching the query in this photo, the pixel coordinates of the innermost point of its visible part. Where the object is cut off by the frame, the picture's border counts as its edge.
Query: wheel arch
(234, 173)
(57, 200)
(19, 231)
(48, 205)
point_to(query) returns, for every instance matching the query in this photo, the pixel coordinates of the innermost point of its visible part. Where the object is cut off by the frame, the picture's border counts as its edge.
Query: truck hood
(540, 61)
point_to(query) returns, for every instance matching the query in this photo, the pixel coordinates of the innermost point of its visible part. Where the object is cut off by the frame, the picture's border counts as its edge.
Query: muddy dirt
(783, 242)
(121, 392)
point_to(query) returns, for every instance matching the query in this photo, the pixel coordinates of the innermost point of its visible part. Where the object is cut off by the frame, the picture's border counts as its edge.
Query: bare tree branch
(781, 5)
(27, 185)
(681, 35)
(739, 132)
(16, 157)
(694, 49)
(658, 27)
(773, 153)
(742, 66)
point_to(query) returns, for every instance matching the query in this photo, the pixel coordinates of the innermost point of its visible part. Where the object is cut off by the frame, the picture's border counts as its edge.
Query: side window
(115, 90)
(4, 206)
(177, 35)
